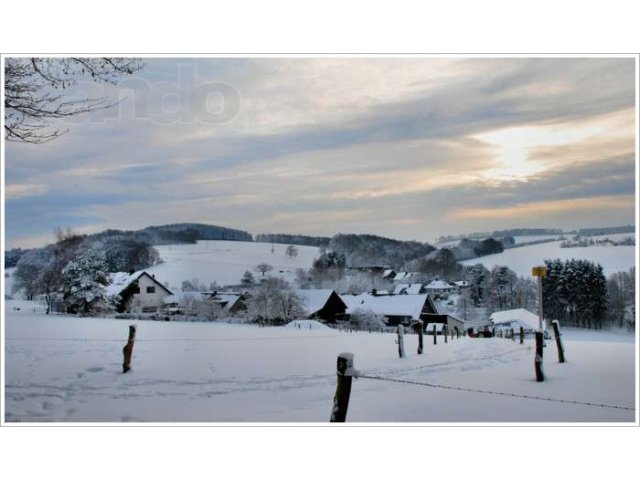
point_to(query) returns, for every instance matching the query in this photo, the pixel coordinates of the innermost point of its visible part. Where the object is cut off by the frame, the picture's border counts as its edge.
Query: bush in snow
(274, 300)
(364, 318)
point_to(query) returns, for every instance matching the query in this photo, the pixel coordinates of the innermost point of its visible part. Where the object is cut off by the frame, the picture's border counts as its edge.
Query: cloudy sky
(410, 148)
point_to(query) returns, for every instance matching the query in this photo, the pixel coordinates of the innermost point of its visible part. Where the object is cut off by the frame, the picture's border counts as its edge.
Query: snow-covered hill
(521, 259)
(224, 262)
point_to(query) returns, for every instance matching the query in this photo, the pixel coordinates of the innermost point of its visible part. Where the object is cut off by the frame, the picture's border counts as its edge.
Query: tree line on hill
(289, 239)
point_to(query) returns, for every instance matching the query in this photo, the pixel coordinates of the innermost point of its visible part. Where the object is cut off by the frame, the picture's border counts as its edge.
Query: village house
(322, 304)
(137, 291)
(439, 286)
(396, 309)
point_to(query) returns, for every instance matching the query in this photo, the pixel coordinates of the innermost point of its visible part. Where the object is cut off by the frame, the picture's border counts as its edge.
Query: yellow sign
(539, 271)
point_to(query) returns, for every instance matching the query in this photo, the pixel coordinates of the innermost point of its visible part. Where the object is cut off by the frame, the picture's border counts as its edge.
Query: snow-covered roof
(388, 305)
(402, 276)
(314, 299)
(386, 273)
(408, 288)
(120, 280)
(520, 315)
(229, 299)
(438, 285)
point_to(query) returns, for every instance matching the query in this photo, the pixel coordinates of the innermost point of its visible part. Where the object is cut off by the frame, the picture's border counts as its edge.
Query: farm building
(519, 317)
(453, 324)
(137, 290)
(323, 304)
(397, 309)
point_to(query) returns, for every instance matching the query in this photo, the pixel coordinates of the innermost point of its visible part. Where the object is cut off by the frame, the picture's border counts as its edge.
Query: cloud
(324, 145)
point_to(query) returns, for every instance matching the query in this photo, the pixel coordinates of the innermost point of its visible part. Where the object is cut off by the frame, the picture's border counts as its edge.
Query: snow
(307, 325)
(119, 281)
(521, 259)
(407, 288)
(225, 262)
(68, 369)
(392, 305)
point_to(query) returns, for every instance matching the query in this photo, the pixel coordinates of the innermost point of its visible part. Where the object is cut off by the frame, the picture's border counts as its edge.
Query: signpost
(539, 272)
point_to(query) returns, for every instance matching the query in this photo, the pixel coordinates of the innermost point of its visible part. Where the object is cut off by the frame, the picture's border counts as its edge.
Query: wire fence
(491, 392)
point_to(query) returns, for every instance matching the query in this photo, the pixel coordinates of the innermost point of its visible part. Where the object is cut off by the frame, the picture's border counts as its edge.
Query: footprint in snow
(94, 369)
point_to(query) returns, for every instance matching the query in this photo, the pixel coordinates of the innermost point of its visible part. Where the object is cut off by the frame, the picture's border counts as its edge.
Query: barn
(396, 309)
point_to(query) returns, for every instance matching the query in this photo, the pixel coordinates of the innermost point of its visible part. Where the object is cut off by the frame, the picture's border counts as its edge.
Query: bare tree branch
(35, 98)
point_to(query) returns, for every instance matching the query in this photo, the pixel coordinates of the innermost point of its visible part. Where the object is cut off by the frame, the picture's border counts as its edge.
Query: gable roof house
(323, 304)
(137, 289)
(439, 286)
(396, 309)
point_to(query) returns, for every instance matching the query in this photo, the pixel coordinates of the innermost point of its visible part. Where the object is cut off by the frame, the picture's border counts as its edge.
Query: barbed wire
(491, 392)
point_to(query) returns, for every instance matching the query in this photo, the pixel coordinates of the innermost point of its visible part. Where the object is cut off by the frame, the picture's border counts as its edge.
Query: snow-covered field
(67, 369)
(225, 262)
(521, 259)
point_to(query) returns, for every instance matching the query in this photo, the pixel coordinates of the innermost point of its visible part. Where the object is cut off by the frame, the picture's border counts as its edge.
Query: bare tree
(36, 92)
(291, 251)
(263, 268)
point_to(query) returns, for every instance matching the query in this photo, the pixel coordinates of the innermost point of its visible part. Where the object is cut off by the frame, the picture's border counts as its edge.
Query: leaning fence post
(539, 354)
(521, 335)
(435, 335)
(420, 333)
(556, 332)
(400, 341)
(128, 349)
(343, 389)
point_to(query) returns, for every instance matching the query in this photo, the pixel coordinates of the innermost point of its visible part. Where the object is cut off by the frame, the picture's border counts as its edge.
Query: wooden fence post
(435, 335)
(538, 358)
(558, 335)
(513, 335)
(343, 389)
(400, 341)
(420, 338)
(521, 335)
(128, 349)
(446, 332)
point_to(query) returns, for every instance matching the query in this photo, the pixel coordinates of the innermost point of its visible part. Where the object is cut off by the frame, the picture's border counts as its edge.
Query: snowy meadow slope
(68, 369)
(224, 262)
(521, 259)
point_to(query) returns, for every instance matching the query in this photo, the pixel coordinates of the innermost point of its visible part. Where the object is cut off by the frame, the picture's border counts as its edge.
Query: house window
(151, 289)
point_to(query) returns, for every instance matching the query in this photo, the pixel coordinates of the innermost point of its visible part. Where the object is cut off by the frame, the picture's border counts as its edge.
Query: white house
(137, 290)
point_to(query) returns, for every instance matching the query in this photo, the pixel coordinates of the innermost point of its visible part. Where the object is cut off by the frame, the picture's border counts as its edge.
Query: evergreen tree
(84, 282)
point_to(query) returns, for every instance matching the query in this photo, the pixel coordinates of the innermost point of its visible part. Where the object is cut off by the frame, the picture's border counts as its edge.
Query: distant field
(225, 262)
(520, 260)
